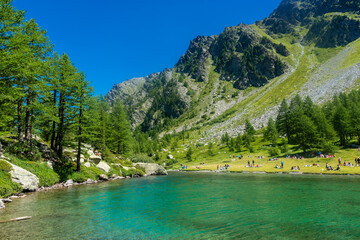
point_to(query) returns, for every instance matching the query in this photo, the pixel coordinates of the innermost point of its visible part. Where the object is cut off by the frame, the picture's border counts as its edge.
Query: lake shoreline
(263, 172)
(59, 186)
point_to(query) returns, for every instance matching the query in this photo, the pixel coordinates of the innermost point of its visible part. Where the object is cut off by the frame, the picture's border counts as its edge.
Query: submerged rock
(27, 180)
(6, 200)
(152, 168)
(103, 166)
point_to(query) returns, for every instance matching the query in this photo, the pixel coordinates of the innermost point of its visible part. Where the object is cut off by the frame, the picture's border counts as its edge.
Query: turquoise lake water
(193, 206)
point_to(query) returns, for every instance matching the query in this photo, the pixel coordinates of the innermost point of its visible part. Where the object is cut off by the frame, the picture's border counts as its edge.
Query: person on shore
(338, 168)
(339, 160)
(248, 163)
(218, 167)
(282, 164)
(253, 163)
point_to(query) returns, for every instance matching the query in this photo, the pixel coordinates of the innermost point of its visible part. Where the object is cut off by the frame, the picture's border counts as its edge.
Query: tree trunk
(31, 129)
(79, 142)
(53, 134)
(20, 126)
(27, 120)
(60, 135)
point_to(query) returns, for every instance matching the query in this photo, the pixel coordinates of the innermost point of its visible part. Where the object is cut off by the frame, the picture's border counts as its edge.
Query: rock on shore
(27, 180)
(152, 168)
(103, 166)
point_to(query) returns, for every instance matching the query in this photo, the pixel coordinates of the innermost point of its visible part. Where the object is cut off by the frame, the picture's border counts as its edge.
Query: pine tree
(271, 133)
(249, 133)
(282, 120)
(121, 133)
(305, 133)
(341, 123)
(67, 75)
(189, 154)
(238, 143)
(82, 95)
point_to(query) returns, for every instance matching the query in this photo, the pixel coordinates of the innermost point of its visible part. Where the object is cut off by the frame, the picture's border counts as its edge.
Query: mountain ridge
(223, 79)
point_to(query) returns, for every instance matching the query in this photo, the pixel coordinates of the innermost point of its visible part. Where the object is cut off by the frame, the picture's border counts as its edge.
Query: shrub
(7, 186)
(273, 151)
(5, 166)
(24, 150)
(142, 158)
(329, 148)
(108, 156)
(47, 176)
(115, 170)
(132, 172)
(85, 174)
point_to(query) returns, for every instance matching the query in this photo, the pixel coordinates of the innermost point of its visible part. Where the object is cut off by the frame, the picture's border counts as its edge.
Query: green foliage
(47, 177)
(189, 154)
(7, 186)
(115, 170)
(284, 148)
(274, 151)
(271, 133)
(210, 150)
(24, 150)
(85, 174)
(5, 166)
(132, 172)
(143, 158)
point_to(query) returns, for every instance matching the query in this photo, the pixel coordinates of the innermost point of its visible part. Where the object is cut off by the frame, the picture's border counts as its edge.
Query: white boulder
(27, 180)
(103, 177)
(152, 168)
(103, 166)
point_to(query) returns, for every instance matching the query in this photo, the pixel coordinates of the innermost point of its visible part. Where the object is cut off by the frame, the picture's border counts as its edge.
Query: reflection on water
(193, 206)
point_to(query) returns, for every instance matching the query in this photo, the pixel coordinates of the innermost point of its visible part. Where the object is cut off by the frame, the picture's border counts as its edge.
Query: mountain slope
(310, 47)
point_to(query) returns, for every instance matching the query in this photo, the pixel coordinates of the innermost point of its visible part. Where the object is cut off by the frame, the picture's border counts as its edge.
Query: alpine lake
(193, 206)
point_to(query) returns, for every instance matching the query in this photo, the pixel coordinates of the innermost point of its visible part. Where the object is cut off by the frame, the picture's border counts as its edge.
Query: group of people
(183, 166)
(295, 157)
(281, 166)
(295, 168)
(236, 156)
(330, 168)
(225, 167)
(97, 153)
(326, 155)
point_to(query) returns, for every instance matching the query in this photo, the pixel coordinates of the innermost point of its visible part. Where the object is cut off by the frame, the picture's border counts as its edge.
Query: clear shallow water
(193, 206)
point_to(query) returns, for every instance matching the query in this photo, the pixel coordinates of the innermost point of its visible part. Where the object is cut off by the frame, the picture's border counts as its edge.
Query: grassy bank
(306, 165)
(60, 173)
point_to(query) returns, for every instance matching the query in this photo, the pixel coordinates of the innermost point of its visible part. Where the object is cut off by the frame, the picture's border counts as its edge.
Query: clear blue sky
(115, 40)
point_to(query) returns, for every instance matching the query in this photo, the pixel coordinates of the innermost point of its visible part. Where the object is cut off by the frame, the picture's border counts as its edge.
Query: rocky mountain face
(245, 71)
